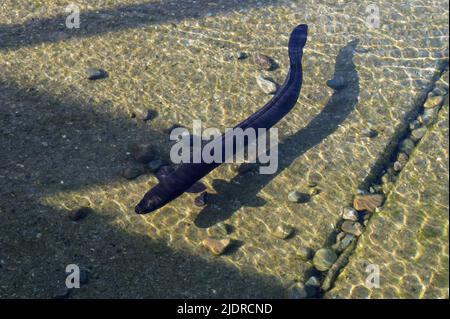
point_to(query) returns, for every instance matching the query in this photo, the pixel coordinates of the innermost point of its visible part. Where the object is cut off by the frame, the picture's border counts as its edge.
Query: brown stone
(263, 61)
(368, 202)
(217, 246)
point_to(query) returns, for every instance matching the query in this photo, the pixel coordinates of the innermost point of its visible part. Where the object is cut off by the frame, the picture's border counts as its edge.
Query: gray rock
(266, 85)
(297, 197)
(305, 253)
(407, 146)
(154, 166)
(282, 231)
(402, 158)
(80, 213)
(344, 243)
(398, 166)
(417, 134)
(433, 101)
(132, 172)
(352, 228)
(313, 282)
(324, 259)
(429, 116)
(348, 213)
(297, 291)
(96, 74)
(337, 83)
(264, 62)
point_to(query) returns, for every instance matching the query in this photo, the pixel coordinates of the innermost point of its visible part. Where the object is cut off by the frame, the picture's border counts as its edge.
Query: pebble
(352, 228)
(200, 200)
(324, 259)
(417, 134)
(297, 197)
(219, 230)
(217, 246)
(142, 153)
(368, 202)
(433, 101)
(154, 166)
(305, 253)
(80, 213)
(407, 146)
(337, 83)
(344, 242)
(242, 56)
(398, 166)
(313, 281)
(264, 62)
(96, 74)
(266, 85)
(429, 116)
(348, 213)
(283, 231)
(369, 133)
(297, 291)
(132, 172)
(402, 158)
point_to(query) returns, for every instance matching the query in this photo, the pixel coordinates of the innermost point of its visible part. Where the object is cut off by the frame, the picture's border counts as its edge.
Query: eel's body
(187, 174)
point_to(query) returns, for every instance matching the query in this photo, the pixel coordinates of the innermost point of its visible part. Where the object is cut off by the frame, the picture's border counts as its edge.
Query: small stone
(266, 85)
(369, 133)
(264, 62)
(242, 56)
(142, 153)
(337, 83)
(219, 230)
(313, 282)
(154, 166)
(429, 116)
(324, 259)
(200, 200)
(413, 125)
(283, 231)
(402, 158)
(398, 166)
(297, 197)
(352, 228)
(297, 291)
(132, 172)
(340, 236)
(305, 253)
(80, 213)
(344, 243)
(368, 202)
(433, 101)
(151, 115)
(96, 74)
(217, 246)
(407, 146)
(348, 213)
(417, 134)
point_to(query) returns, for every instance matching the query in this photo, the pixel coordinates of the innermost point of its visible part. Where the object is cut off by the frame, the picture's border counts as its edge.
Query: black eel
(187, 174)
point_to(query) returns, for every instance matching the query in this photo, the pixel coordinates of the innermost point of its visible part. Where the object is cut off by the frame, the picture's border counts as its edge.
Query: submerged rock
(282, 231)
(132, 172)
(264, 62)
(297, 197)
(80, 213)
(297, 291)
(348, 213)
(217, 246)
(418, 133)
(352, 228)
(433, 101)
(266, 85)
(324, 259)
(96, 74)
(342, 244)
(368, 202)
(305, 253)
(407, 146)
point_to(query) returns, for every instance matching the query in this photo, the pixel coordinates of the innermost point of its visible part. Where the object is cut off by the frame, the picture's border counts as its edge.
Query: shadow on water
(242, 190)
(45, 140)
(118, 18)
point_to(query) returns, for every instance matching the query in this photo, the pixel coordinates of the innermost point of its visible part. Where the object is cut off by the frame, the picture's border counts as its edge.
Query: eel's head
(149, 203)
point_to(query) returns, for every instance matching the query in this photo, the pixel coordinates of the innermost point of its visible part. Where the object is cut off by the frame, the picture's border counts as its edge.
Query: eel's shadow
(95, 22)
(242, 190)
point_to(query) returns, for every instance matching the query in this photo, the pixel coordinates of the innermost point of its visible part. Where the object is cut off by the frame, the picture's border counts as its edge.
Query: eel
(187, 174)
